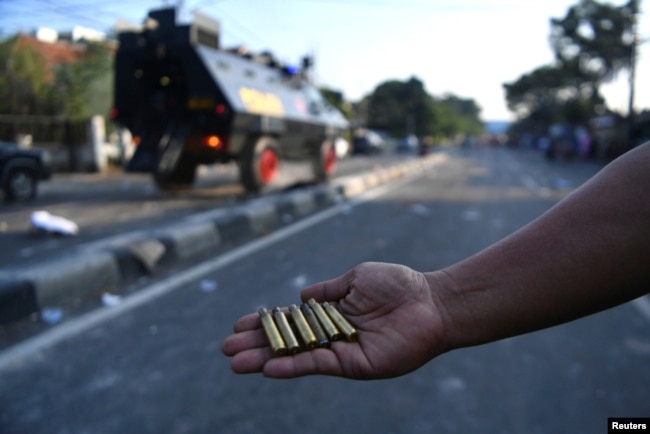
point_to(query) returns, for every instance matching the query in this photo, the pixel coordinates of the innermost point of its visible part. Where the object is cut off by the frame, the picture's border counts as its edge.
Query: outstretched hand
(394, 309)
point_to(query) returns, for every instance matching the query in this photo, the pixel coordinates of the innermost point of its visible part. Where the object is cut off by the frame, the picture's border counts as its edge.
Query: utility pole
(633, 10)
(180, 4)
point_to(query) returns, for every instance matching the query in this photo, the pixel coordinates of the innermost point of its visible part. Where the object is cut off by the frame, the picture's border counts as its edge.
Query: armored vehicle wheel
(259, 164)
(324, 163)
(181, 178)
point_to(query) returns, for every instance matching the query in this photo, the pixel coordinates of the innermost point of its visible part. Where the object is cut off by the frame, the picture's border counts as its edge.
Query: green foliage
(23, 85)
(553, 94)
(336, 99)
(546, 87)
(74, 90)
(592, 43)
(464, 115)
(595, 37)
(76, 83)
(400, 108)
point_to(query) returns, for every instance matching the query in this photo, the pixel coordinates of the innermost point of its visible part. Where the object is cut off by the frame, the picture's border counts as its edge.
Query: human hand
(394, 309)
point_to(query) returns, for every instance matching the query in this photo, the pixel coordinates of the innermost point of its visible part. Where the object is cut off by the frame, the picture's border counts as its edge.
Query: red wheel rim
(329, 162)
(268, 165)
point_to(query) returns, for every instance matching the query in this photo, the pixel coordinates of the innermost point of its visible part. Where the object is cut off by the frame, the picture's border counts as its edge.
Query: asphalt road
(113, 203)
(153, 364)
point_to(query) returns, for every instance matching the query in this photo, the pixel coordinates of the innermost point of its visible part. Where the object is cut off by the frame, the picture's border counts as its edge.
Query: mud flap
(144, 158)
(160, 151)
(170, 148)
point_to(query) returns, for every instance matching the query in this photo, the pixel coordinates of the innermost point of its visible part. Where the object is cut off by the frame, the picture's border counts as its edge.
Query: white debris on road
(207, 285)
(111, 300)
(420, 209)
(43, 221)
(299, 281)
(51, 315)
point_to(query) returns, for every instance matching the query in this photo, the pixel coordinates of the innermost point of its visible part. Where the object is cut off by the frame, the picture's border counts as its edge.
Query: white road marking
(643, 305)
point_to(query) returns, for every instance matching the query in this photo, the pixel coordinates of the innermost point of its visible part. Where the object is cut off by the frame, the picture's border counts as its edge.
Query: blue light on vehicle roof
(292, 69)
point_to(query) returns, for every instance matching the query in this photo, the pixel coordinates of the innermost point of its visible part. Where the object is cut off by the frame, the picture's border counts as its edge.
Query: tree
(595, 38)
(552, 94)
(336, 99)
(74, 88)
(543, 89)
(23, 83)
(404, 107)
(464, 115)
(77, 84)
(592, 43)
(401, 108)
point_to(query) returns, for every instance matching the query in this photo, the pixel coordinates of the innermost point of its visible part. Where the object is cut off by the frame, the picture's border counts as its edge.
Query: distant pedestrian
(584, 142)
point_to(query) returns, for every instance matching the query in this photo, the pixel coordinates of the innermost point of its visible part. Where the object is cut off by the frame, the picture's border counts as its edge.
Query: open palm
(392, 307)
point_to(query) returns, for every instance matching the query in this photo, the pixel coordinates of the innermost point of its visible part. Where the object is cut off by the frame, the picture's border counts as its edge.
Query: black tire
(181, 178)
(324, 162)
(258, 164)
(21, 185)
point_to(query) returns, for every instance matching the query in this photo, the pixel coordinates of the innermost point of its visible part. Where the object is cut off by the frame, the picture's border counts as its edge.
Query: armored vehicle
(188, 102)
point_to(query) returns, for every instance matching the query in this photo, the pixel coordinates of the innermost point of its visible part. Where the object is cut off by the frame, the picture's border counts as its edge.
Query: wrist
(445, 295)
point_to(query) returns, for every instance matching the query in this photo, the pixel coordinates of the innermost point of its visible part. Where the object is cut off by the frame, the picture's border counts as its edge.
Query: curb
(127, 258)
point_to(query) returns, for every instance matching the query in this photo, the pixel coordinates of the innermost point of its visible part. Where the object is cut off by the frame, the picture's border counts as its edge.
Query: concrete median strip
(124, 259)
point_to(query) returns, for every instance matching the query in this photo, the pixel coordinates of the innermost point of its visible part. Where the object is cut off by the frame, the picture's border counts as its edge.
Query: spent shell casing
(285, 330)
(272, 333)
(315, 326)
(340, 321)
(333, 333)
(307, 335)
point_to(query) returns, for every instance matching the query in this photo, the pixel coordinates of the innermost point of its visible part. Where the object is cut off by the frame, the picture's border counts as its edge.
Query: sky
(468, 48)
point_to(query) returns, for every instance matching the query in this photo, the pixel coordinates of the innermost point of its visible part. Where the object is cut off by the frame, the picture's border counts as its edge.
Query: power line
(52, 10)
(44, 13)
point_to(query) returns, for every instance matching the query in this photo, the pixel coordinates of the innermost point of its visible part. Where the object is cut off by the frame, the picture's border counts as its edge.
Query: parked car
(408, 144)
(368, 142)
(21, 169)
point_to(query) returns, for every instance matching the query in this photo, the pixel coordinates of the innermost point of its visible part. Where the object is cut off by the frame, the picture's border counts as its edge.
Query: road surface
(153, 363)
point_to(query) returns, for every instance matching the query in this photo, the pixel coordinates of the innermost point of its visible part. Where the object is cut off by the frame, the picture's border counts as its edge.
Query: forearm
(588, 253)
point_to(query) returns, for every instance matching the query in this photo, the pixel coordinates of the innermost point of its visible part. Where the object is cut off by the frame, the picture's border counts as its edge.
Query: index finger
(247, 322)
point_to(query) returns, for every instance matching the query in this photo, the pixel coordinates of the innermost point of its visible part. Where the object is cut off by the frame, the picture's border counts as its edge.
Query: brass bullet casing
(285, 330)
(340, 321)
(332, 332)
(272, 333)
(315, 326)
(305, 332)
